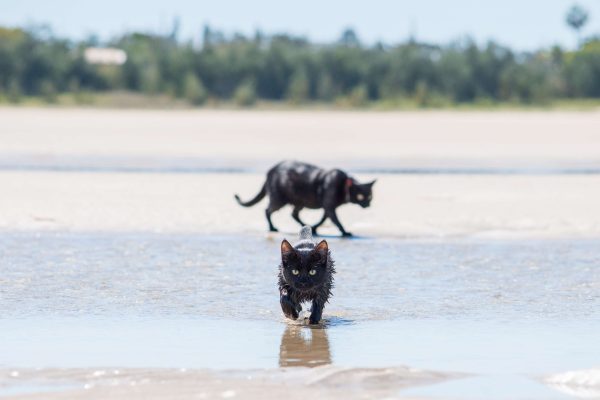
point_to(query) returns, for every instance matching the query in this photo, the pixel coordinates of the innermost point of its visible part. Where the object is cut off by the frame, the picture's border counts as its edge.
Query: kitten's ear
(322, 249)
(372, 183)
(286, 248)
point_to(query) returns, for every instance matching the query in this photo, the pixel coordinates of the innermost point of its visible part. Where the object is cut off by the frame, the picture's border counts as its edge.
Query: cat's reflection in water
(304, 346)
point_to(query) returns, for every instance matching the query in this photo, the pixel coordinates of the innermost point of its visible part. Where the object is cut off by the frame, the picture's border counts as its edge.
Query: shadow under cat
(320, 235)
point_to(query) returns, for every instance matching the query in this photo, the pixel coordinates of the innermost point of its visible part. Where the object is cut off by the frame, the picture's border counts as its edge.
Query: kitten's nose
(303, 282)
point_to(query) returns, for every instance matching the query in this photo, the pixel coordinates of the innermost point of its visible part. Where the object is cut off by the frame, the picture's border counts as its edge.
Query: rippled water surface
(95, 274)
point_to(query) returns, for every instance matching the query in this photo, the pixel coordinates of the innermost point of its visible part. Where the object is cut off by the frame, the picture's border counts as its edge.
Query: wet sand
(325, 382)
(124, 251)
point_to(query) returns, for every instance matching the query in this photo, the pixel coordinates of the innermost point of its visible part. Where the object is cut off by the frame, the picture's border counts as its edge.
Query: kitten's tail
(256, 199)
(306, 233)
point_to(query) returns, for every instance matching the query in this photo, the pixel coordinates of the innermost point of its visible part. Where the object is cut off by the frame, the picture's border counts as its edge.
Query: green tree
(582, 69)
(244, 69)
(194, 90)
(48, 91)
(14, 92)
(245, 94)
(359, 96)
(576, 18)
(349, 38)
(299, 87)
(325, 88)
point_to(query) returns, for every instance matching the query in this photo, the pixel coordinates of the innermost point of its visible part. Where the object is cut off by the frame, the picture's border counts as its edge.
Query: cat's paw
(313, 321)
(273, 229)
(289, 309)
(314, 231)
(347, 234)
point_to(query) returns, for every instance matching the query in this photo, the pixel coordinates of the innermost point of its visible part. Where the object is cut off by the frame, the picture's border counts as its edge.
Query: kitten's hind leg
(296, 215)
(289, 308)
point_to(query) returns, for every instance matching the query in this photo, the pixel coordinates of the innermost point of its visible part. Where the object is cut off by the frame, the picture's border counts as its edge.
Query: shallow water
(462, 346)
(234, 277)
(509, 310)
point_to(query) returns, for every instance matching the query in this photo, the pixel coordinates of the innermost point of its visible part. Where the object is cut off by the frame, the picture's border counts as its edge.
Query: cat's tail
(256, 199)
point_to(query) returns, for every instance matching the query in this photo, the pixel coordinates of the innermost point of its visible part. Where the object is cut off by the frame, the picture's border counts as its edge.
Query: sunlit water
(234, 277)
(510, 310)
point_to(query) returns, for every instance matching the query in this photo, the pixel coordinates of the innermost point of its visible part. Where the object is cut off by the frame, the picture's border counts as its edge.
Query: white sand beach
(403, 206)
(552, 205)
(321, 136)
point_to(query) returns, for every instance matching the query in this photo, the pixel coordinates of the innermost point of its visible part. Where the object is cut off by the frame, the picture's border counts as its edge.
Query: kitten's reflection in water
(303, 346)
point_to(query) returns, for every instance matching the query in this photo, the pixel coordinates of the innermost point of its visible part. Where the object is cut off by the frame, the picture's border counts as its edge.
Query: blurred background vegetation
(240, 70)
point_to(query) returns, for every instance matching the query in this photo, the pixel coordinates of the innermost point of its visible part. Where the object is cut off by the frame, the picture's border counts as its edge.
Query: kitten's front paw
(347, 234)
(289, 309)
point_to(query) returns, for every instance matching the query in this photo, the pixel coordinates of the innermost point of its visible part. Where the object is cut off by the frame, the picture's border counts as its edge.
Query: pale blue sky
(522, 24)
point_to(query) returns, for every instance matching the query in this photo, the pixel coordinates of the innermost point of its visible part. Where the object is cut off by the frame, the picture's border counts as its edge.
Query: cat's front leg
(290, 309)
(334, 218)
(316, 312)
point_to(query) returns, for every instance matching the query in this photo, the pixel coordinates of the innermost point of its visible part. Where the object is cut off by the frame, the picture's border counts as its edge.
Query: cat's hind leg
(296, 215)
(273, 206)
(318, 224)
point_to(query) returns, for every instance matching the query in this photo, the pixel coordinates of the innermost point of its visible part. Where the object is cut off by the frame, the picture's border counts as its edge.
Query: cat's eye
(360, 197)
(312, 272)
(295, 272)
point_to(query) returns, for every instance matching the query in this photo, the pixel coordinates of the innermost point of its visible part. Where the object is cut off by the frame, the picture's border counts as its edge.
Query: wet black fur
(307, 186)
(296, 289)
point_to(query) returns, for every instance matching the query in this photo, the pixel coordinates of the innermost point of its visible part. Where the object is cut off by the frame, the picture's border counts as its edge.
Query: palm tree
(349, 38)
(576, 19)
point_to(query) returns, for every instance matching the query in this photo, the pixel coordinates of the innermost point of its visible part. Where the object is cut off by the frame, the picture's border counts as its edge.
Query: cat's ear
(370, 184)
(286, 249)
(322, 249)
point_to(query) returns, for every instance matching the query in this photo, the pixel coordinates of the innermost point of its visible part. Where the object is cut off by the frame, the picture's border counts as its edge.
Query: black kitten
(305, 274)
(306, 186)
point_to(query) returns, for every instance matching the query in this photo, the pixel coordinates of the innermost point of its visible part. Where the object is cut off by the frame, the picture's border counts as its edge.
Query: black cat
(307, 186)
(305, 274)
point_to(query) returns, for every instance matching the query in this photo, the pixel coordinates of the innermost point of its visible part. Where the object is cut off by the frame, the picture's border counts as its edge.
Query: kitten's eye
(360, 197)
(295, 272)
(312, 272)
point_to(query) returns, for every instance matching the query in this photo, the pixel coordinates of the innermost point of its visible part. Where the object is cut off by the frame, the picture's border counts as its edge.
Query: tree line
(243, 69)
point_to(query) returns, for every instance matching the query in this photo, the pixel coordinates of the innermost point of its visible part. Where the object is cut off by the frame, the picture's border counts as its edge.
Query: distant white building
(105, 56)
